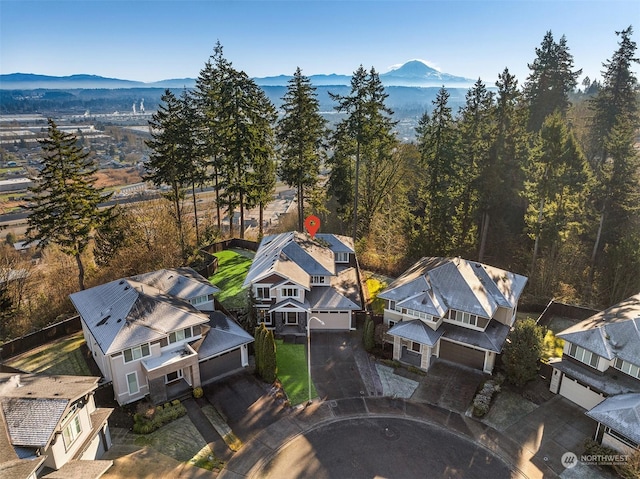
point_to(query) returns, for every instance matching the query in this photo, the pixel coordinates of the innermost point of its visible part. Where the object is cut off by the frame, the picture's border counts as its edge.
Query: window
(627, 367)
(262, 292)
(317, 280)
(132, 383)
(467, 318)
(392, 323)
(583, 355)
(291, 318)
(180, 335)
(415, 346)
(392, 305)
(138, 352)
(174, 376)
(289, 292)
(71, 432)
(342, 257)
(199, 300)
(264, 316)
(620, 437)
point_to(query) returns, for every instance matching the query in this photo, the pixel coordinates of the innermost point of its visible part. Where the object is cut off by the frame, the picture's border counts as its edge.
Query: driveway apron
(334, 370)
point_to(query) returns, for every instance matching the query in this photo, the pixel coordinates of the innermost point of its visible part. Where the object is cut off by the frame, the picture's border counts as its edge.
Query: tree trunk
(594, 255)
(195, 212)
(260, 220)
(355, 194)
(300, 208)
(486, 218)
(218, 212)
(80, 271)
(534, 256)
(241, 226)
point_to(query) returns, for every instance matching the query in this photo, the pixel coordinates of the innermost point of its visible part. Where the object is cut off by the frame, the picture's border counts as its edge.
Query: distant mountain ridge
(414, 73)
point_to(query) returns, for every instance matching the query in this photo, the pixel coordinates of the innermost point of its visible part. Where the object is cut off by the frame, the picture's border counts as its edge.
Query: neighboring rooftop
(612, 333)
(434, 285)
(621, 413)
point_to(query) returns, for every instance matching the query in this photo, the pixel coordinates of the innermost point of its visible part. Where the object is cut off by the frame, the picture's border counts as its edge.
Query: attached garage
(579, 394)
(458, 353)
(220, 365)
(332, 320)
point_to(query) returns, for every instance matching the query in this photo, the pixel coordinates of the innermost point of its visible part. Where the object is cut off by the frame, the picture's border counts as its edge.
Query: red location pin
(312, 223)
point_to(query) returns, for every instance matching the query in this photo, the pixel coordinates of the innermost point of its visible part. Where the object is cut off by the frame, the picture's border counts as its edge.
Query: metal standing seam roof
(125, 313)
(621, 413)
(612, 333)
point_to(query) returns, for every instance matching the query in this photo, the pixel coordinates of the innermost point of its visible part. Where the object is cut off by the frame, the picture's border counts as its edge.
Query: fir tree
(551, 80)
(364, 144)
(169, 163)
(522, 351)
(64, 208)
(301, 135)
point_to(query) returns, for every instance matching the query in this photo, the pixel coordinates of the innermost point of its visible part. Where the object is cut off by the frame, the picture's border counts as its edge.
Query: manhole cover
(390, 434)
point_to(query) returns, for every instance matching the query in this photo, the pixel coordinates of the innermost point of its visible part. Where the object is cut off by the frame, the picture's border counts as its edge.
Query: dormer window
(342, 257)
(318, 280)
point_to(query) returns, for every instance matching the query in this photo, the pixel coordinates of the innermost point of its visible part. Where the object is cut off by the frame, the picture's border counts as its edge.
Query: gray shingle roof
(182, 283)
(33, 405)
(337, 243)
(491, 339)
(611, 382)
(32, 422)
(296, 256)
(621, 413)
(126, 313)
(612, 333)
(225, 334)
(455, 283)
(416, 331)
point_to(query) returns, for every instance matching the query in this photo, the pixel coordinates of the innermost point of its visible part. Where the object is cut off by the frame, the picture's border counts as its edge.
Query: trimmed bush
(482, 400)
(368, 335)
(161, 416)
(197, 393)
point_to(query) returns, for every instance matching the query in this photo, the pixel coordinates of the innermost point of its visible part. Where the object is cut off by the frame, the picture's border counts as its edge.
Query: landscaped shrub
(197, 393)
(522, 352)
(150, 421)
(392, 363)
(368, 335)
(270, 365)
(415, 370)
(482, 400)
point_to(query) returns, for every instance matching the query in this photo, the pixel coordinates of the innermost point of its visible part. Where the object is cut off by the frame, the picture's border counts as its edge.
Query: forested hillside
(539, 176)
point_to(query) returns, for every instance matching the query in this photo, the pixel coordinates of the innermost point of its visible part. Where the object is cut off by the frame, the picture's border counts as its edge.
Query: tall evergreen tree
(434, 211)
(615, 161)
(475, 127)
(64, 208)
(557, 177)
(208, 96)
(501, 179)
(301, 135)
(366, 139)
(169, 163)
(551, 80)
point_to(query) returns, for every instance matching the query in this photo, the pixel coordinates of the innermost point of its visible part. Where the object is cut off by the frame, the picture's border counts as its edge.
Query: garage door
(458, 353)
(579, 394)
(212, 368)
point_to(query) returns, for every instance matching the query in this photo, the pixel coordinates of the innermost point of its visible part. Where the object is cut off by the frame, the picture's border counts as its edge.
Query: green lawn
(292, 372)
(63, 356)
(232, 270)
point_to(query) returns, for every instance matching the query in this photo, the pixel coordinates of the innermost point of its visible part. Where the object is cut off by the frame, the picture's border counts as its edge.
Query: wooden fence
(43, 336)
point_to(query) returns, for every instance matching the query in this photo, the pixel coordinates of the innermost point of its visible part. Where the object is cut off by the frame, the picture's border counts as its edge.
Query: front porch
(410, 357)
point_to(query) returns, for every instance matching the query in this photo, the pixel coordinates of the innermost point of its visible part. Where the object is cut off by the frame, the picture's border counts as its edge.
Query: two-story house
(600, 371)
(51, 423)
(452, 309)
(157, 333)
(294, 277)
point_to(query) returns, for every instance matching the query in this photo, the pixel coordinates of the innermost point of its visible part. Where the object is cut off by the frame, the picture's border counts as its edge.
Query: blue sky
(149, 40)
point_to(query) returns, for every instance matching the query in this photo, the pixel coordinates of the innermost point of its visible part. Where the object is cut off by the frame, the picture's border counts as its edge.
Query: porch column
(489, 361)
(397, 348)
(425, 359)
(244, 356)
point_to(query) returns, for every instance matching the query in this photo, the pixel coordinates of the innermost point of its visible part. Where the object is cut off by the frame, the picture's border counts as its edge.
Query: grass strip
(292, 372)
